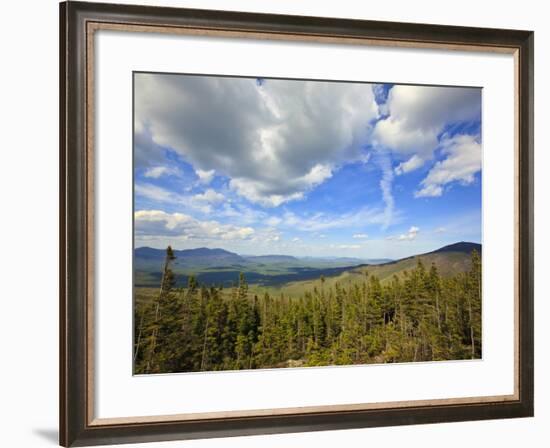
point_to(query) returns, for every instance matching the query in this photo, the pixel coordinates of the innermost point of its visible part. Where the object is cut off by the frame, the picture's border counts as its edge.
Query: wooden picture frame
(78, 22)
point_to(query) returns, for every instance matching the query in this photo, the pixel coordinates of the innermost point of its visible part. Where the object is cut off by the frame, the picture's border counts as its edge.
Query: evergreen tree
(419, 316)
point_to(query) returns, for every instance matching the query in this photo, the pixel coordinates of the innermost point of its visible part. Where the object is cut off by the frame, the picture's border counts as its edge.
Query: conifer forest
(418, 315)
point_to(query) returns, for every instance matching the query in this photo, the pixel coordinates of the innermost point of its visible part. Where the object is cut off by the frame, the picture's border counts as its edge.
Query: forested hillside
(417, 316)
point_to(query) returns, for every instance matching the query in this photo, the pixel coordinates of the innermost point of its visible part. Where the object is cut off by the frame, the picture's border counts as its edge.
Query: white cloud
(263, 239)
(440, 230)
(155, 193)
(462, 162)
(429, 191)
(242, 233)
(416, 117)
(321, 221)
(146, 151)
(295, 240)
(241, 213)
(418, 114)
(365, 157)
(360, 236)
(409, 236)
(272, 237)
(205, 176)
(158, 223)
(254, 192)
(273, 221)
(201, 201)
(275, 141)
(209, 196)
(159, 171)
(410, 165)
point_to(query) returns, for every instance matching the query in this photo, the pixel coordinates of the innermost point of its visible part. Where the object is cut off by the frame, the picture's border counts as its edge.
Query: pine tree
(419, 316)
(166, 285)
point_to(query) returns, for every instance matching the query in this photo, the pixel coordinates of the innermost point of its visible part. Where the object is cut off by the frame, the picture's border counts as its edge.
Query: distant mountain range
(219, 266)
(203, 257)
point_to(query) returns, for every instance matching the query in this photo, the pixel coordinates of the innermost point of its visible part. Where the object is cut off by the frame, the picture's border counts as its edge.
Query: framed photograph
(278, 224)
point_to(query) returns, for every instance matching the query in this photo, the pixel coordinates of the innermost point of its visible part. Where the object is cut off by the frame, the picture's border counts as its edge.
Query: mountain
(199, 253)
(147, 259)
(206, 255)
(463, 247)
(450, 260)
(219, 266)
(441, 254)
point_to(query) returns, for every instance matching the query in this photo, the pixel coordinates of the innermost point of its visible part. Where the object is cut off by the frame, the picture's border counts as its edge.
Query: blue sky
(305, 168)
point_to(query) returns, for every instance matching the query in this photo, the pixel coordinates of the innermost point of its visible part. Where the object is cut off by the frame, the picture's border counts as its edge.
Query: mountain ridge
(148, 252)
(219, 266)
(145, 251)
(461, 246)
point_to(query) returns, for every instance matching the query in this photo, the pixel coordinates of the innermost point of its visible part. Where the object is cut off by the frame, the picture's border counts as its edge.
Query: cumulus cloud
(410, 235)
(462, 162)
(200, 201)
(429, 191)
(418, 115)
(255, 192)
(154, 193)
(241, 214)
(205, 176)
(182, 226)
(275, 140)
(158, 171)
(410, 165)
(273, 221)
(209, 196)
(146, 152)
(360, 236)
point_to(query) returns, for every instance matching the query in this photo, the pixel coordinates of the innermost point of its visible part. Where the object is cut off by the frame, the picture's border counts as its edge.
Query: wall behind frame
(28, 221)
